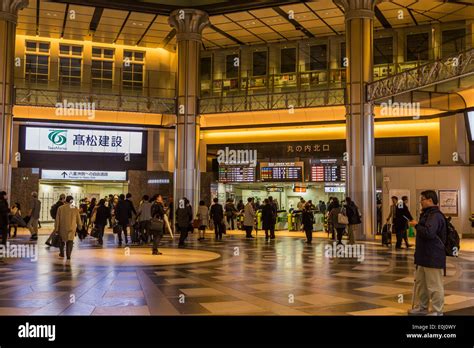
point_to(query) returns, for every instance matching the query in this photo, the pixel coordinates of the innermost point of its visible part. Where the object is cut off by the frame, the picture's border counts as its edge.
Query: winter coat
(102, 214)
(353, 214)
(399, 221)
(308, 220)
(203, 215)
(430, 238)
(267, 217)
(68, 220)
(333, 217)
(216, 213)
(184, 216)
(249, 215)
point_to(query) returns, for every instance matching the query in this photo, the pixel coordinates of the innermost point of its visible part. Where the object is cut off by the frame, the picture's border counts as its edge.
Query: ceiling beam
(168, 38)
(379, 15)
(268, 26)
(123, 25)
(240, 25)
(95, 19)
(227, 35)
(146, 30)
(66, 12)
(412, 16)
(295, 23)
(37, 16)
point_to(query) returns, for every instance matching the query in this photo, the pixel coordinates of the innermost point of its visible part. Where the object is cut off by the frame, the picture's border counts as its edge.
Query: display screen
(327, 170)
(236, 174)
(292, 171)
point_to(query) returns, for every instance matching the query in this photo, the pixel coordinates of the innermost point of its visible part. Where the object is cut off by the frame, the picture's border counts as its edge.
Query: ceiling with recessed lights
(263, 22)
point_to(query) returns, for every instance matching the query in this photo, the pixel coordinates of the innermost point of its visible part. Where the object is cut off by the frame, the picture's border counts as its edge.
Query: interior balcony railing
(148, 91)
(437, 72)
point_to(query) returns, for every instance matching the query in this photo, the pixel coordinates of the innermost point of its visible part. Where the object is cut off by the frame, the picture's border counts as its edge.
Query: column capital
(9, 9)
(189, 23)
(358, 8)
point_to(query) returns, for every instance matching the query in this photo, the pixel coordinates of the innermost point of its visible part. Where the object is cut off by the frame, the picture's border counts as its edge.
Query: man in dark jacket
(131, 206)
(184, 217)
(400, 223)
(217, 215)
(102, 214)
(430, 256)
(122, 213)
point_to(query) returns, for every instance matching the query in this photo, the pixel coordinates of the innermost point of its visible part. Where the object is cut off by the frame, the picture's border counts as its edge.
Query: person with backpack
(53, 212)
(353, 216)
(430, 256)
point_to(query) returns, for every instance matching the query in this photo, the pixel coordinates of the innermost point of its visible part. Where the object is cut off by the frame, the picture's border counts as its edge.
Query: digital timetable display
(236, 174)
(327, 170)
(284, 171)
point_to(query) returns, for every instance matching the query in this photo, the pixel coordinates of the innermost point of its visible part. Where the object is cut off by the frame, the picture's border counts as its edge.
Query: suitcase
(386, 235)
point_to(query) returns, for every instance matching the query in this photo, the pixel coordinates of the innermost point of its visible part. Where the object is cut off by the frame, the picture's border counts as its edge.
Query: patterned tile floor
(232, 277)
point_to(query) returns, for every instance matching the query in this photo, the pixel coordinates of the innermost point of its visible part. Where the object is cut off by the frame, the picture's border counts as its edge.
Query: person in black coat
(353, 216)
(4, 211)
(272, 203)
(102, 214)
(430, 255)
(400, 223)
(122, 213)
(184, 217)
(158, 212)
(308, 221)
(131, 206)
(267, 218)
(216, 213)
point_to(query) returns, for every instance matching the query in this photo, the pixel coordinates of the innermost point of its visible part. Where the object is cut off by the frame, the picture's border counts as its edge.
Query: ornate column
(189, 25)
(8, 18)
(359, 114)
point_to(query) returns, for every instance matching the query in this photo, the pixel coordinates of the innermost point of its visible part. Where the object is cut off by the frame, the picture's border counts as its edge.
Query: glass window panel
(77, 50)
(107, 74)
(108, 53)
(43, 60)
(383, 50)
(453, 42)
(139, 56)
(318, 57)
(127, 76)
(343, 54)
(288, 60)
(96, 64)
(96, 52)
(127, 54)
(63, 49)
(259, 63)
(206, 68)
(107, 65)
(31, 46)
(138, 68)
(44, 46)
(231, 70)
(417, 47)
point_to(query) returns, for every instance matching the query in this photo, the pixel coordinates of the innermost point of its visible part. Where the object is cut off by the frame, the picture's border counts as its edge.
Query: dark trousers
(309, 234)
(101, 229)
(69, 245)
(272, 232)
(183, 234)
(248, 230)
(4, 231)
(125, 232)
(401, 234)
(340, 233)
(143, 228)
(157, 235)
(230, 221)
(218, 228)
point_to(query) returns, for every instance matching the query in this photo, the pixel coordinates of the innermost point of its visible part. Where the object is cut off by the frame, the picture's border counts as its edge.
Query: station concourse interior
(294, 100)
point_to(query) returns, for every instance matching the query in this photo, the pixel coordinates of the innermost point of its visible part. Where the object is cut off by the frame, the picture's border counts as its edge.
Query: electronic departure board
(236, 174)
(327, 170)
(291, 171)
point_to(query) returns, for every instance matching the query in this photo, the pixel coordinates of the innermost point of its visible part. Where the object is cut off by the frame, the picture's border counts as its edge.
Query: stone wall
(139, 186)
(23, 183)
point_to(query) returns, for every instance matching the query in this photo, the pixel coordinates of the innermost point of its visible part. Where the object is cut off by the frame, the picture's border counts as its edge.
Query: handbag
(56, 240)
(95, 232)
(197, 223)
(117, 229)
(156, 224)
(342, 218)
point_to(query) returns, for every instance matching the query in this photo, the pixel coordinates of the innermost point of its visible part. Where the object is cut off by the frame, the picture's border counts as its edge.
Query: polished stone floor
(233, 277)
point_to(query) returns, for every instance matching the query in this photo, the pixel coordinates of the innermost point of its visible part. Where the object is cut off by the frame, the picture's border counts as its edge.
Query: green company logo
(57, 138)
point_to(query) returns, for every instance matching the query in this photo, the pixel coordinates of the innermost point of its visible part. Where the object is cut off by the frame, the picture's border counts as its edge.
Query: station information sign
(236, 174)
(327, 170)
(281, 171)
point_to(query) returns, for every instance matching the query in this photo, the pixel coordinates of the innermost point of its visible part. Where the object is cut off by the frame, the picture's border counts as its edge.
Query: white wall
(459, 178)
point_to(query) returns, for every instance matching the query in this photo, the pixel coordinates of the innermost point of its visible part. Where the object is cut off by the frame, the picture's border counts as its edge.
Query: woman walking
(203, 216)
(102, 214)
(308, 221)
(334, 218)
